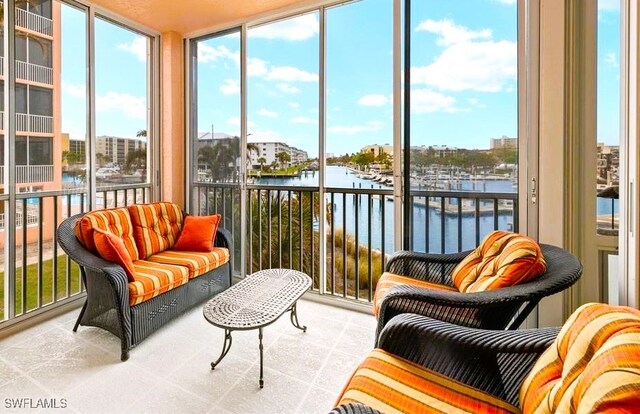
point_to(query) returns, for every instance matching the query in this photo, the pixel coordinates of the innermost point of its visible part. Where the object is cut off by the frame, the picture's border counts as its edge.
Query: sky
(121, 77)
(463, 89)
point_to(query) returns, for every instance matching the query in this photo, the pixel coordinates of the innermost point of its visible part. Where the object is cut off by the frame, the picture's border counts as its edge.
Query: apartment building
(503, 142)
(269, 151)
(36, 96)
(114, 150)
(376, 149)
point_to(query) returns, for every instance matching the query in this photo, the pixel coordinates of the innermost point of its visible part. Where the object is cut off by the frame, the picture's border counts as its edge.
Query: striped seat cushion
(593, 366)
(156, 227)
(389, 280)
(151, 279)
(394, 385)
(502, 259)
(198, 263)
(115, 220)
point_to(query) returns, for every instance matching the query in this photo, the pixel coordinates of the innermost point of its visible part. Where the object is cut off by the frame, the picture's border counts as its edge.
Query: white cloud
(609, 5)
(476, 103)
(267, 113)
(296, 29)
(611, 59)
(294, 104)
(480, 66)
(208, 53)
(131, 106)
(508, 2)
(256, 67)
(235, 121)
(291, 74)
(302, 120)
(230, 87)
(372, 126)
(373, 100)
(285, 87)
(450, 33)
(77, 91)
(137, 47)
(425, 100)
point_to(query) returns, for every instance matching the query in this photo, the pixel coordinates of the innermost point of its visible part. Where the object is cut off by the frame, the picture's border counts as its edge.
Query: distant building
(114, 150)
(376, 149)
(608, 162)
(504, 142)
(269, 150)
(441, 151)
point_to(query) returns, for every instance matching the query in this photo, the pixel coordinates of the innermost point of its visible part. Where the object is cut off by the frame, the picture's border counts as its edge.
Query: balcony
(34, 22)
(31, 174)
(30, 123)
(30, 72)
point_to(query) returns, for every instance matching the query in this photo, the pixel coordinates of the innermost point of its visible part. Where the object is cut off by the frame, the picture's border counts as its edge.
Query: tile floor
(170, 372)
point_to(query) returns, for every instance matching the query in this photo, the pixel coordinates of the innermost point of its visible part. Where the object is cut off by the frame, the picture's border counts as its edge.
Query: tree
(283, 158)
(141, 133)
(363, 159)
(221, 158)
(135, 160)
(100, 159)
(262, 161)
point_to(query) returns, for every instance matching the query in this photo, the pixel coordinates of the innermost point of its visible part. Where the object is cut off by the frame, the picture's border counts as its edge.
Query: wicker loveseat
(166, 283)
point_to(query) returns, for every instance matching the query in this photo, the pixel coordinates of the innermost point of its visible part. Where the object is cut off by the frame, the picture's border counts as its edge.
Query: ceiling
(192, 16)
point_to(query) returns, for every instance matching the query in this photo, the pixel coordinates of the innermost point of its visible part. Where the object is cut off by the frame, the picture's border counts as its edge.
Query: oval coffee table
(256, 301)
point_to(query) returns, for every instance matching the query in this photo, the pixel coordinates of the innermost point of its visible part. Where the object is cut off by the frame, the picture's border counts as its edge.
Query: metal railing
(283, 228)
(34, 22)
(34, 73)
(31, 173)
(44, 275)
(34, 123)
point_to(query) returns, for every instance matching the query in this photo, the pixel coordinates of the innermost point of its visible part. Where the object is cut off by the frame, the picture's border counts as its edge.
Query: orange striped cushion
(152, 279)
(593, 366)
(389, 280)
(198, 263)
(115, 220)
(156, 226)
(394, 385)
(502, 259)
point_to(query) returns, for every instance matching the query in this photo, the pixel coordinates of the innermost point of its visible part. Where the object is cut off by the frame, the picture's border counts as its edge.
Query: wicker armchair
(495, 362)
(590, 364)
(495, 309)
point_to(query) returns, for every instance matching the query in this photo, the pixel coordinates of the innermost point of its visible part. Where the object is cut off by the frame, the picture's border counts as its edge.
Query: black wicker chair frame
(107, 303)
(496, 309)
(496, 362)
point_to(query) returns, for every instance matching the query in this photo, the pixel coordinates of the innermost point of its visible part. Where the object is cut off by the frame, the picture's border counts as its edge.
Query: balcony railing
(31, 173)
(283, 228)
(34, 123)
(34, 73)
(30, 72)
(44, 276)
(34, 22)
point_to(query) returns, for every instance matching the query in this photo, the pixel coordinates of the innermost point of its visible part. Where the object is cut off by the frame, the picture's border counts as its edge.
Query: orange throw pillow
(502, 259)
(198, 233)
(111, 247)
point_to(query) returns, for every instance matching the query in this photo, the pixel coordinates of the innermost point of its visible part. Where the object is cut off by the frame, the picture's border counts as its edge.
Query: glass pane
(608, 116)
(464, 122)
(215, 142)
(282, 114)
(359, 148)
(122, 110)
(282, 101)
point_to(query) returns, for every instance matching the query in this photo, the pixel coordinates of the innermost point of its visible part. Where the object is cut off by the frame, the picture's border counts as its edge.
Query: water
(341, 177)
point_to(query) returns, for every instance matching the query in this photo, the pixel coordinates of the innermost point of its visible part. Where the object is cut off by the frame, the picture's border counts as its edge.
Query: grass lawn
(47, 284)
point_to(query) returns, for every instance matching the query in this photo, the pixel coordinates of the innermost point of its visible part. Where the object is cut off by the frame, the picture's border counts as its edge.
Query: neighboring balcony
(31, 123)
(30, 174)
(34, 22)
(30, 72)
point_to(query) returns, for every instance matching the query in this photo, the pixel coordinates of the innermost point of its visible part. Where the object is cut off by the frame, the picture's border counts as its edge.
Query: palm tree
(221, 158)
(262, 161)
(283, 158)
(141, 133)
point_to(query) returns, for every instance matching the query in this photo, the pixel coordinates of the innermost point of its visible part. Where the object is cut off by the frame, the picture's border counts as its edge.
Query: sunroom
(328, 135)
